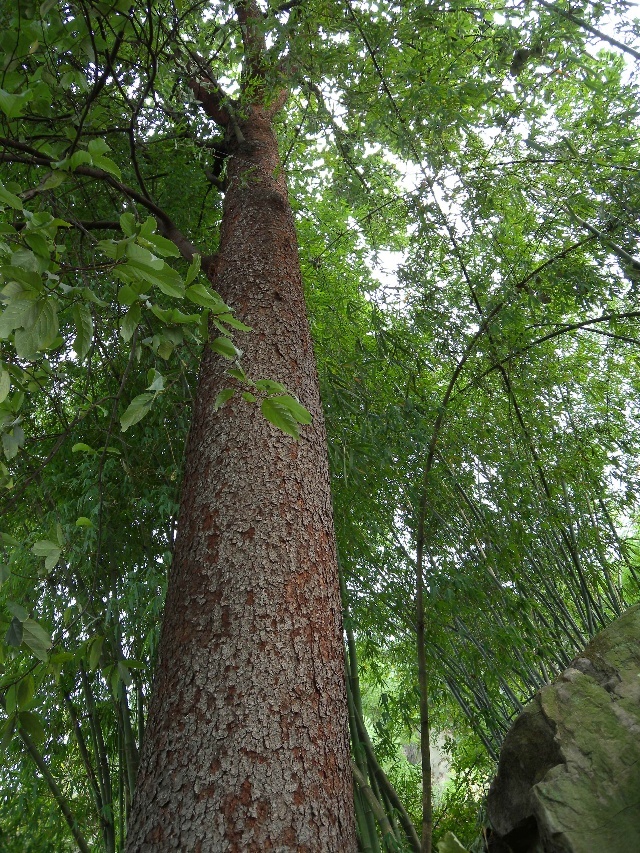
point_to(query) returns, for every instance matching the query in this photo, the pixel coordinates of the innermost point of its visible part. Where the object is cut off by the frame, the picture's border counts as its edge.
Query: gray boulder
(569, 773)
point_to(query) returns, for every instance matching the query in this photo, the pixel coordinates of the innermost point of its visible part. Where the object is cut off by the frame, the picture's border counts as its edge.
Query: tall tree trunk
(246, 746)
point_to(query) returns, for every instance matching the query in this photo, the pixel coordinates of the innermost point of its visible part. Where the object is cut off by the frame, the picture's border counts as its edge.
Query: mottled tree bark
(246, 746)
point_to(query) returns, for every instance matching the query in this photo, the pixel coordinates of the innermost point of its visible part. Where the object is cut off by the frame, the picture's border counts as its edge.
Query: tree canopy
(480, 402)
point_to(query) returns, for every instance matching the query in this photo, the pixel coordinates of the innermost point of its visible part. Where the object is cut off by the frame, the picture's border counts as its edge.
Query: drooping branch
(579, 22)
(168, 228)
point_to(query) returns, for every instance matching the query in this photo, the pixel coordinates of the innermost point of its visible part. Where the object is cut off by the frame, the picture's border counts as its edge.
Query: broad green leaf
(30, 722)
(26, 690)
(5, 573)
(269, 386)
(7, 198)
(148, 227)
(17, 610)
(163, 246)
(7, 730)
(207, 298)
(301, 415)
(222, 397)
(84, 329)
(39, 244)
(82, 448)
(128, 224)
(35, 636)
(280, 416)
(239, 374)
(174, 316)
(10, 445)
(165, 278)
(225, 347)
(52, 181)
(11, 699)
(14, 634)
(129, 322)
(40, 329)
(123, 673)
(97, 146)
(50, 551)
(136, 410)
(230, 320)
(5, 384)
(83, 521)
(194, 269)
(107, 165)
(45, 548)
(95, 650)
(13, 105)
(156, 381)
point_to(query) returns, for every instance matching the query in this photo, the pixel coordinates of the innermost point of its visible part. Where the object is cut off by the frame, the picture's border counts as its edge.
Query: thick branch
(213, 100)
(250, 19)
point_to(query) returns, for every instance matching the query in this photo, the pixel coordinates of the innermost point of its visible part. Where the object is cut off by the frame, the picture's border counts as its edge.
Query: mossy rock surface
(569, 773)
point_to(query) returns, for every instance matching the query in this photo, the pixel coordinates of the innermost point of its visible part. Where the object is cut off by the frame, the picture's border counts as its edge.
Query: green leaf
(50, 551)
(7, 732)
(83, 521)
(226, 348)
(7, 198)
(13, 636)
(163, 246)
(13, 105)
(39, 244)
(239, 374)
(269, 386)
(38, 640)
(84, 329)
(128, 224)
(107, 165)
(10, 445)
(174, 316)
(223, 396)
(129, 322)
(280, 416)
(17, 610)
(11, 699)
(136, 410)
(301, 415)
(5, 573)
(40, 329)
(95, 650)
(25, 692)
(165, 278)
(123, 673)
(230, 320)
(5, 384)
(30, 722)
(156, 380)
(98, 146)
(248, 396)
(82, 448)
(194, 269)
(207, 298)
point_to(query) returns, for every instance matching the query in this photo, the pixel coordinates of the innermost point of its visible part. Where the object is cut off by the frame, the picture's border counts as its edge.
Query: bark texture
(246, 746)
